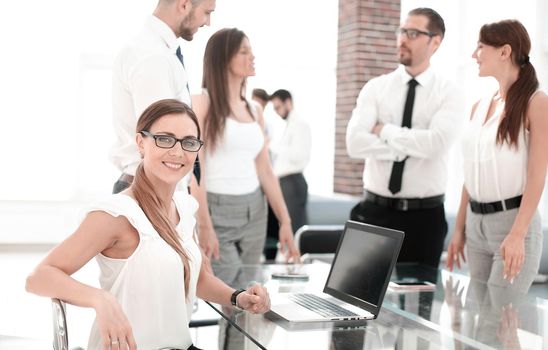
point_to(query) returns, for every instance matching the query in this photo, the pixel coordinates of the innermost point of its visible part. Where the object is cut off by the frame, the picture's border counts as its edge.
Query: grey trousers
(484, 235)
(240, 225)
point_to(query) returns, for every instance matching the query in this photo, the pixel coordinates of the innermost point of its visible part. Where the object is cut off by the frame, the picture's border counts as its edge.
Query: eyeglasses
(189, 143)
(412, 34)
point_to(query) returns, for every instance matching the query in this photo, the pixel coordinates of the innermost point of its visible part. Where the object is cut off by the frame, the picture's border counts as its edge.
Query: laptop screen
(363, 264)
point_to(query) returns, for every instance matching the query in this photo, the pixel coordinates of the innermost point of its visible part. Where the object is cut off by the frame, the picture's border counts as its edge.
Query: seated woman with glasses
(144, 241)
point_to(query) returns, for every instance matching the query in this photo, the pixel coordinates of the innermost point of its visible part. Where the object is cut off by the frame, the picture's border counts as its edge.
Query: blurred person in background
(290, 156)
(260, 96)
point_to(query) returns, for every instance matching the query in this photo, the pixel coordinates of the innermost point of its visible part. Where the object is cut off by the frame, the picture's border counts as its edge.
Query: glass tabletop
(481, 315)
(20, 343)
(457, 314)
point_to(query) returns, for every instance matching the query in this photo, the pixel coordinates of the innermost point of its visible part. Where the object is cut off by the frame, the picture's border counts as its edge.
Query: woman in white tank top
(145, 244)
(236, 168)
(505, 162)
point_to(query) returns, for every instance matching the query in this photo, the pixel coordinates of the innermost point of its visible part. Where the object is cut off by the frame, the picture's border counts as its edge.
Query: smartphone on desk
(411, 285)
(289, 275)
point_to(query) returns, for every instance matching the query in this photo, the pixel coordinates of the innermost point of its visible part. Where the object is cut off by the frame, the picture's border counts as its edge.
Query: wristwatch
(233, 298)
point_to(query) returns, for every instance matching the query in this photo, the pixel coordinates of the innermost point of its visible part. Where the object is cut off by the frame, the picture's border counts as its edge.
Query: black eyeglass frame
(176, 140)
(408, 31)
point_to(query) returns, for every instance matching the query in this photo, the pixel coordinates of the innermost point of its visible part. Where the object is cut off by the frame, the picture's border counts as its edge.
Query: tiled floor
(29, 316)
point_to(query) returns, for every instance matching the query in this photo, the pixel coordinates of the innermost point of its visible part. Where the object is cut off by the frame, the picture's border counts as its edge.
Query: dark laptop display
(363, 264)
(357, 280)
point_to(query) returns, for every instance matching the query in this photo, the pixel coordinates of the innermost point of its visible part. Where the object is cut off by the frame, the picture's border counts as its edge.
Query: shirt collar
(290, 116)
(164, 31)
(424, 79)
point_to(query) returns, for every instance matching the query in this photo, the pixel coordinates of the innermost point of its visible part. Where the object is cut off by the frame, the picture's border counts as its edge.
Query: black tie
(197, 172)
(394, 185)
(180, 57)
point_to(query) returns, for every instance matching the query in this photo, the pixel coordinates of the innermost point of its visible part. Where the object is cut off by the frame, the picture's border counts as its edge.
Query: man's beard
(406, 61)
(185, 31)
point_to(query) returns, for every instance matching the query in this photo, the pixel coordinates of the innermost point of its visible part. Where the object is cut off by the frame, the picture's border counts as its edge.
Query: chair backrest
(318, 239)
(60, 332)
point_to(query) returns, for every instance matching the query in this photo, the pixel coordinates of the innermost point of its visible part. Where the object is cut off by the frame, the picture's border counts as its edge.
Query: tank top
(230, 168)
(149, 285)
(492, 172)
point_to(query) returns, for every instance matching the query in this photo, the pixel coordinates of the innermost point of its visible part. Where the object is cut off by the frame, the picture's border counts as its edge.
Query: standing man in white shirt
(290, 156)
(151, 68)
(403, 126)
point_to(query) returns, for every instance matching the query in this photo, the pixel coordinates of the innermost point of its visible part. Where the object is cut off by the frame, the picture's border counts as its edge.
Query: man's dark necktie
(180, 57)
(196, 171)
(394, 185)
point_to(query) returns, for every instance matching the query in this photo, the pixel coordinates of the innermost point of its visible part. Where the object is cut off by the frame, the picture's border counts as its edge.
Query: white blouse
(230, 168)
(492, 172)
(149, 285)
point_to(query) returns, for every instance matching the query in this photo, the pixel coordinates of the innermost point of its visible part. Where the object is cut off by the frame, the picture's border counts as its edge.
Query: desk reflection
(458, 314)
(493, 315)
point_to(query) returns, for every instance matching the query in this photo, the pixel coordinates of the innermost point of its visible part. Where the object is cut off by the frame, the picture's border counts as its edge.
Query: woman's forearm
(461, 213)
(271, 187)
(529, 202)
(49, 281)
(211, 288)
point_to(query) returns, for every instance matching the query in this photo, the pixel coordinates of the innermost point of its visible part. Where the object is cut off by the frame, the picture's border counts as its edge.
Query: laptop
(357, 280)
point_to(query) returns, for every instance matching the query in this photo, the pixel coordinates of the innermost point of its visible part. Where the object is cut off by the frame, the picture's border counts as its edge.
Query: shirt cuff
(389, 132)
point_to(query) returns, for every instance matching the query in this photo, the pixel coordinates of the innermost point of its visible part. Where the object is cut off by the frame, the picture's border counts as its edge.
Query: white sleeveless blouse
(149, 285)
(230, 168)
(492, 172)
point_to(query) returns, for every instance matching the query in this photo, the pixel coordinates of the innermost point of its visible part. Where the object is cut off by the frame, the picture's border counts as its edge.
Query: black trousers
(425, 229)
(295, 191)
(119, 186)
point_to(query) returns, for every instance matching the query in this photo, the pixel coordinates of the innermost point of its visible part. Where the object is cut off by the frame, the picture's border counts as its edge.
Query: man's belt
(405, 204)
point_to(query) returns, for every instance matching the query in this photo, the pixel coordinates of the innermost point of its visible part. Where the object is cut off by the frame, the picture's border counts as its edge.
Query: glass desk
(18, 343)
(458, 314)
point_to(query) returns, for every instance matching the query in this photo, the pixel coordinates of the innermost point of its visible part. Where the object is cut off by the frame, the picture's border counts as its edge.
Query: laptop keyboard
(320, 305)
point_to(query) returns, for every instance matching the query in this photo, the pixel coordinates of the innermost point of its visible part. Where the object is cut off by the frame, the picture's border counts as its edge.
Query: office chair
(318, 239)
(60, 332)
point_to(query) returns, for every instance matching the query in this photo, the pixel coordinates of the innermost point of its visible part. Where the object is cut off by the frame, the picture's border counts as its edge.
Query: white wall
(56, 83)
(55, 80)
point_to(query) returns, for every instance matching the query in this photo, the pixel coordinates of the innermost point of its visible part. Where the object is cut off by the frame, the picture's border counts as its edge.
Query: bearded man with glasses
(403, 125)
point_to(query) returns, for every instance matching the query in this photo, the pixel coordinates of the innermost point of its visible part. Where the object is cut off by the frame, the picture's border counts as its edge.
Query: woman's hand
(512, 250)
(209, 242)
(508, 328)
(287, 244)
(114, 326)
(455, 250)
(255, 299)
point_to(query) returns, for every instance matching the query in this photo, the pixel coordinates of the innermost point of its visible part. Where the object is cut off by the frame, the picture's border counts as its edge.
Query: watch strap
(234, 296)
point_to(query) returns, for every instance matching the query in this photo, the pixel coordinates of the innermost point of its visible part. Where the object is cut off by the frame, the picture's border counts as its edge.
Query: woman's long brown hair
(220, 49)
(153, 206)
(513, 33)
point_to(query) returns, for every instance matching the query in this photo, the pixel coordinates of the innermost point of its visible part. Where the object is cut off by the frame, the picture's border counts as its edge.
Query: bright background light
(56, 79)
